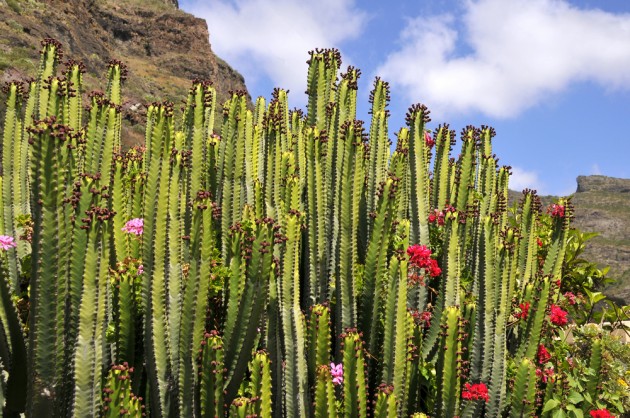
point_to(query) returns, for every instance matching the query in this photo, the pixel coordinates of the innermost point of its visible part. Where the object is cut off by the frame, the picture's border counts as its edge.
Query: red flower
(558, 316)
(601, 413)
(429, 141)
(557, 211)
(570, 297)
(524, 310)
(539, 242)
(420, 257)
(543, 354)
(475, 392)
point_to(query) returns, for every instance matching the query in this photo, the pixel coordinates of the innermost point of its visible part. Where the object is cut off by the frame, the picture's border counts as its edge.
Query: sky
(551, 76)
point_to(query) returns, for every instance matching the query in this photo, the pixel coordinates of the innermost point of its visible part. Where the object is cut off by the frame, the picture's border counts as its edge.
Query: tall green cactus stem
(296, 396)
(419, 154)
(51, 55)
(351, 187)
(260, 386)
(73, 112)
(527, 254)
(379, 143)
(47, 138)
(318, 340)
(212, 376)
(126, 313)
(154, 256)
(385, 405)
(354, 375)
(196, 292)
(505, 283)
(440, 190)
(325, 401)
(465, 168)
(89, 350)
(449, 358)
(241, 408)
(231, 178)
(316, 216)
(118, 398)
(394, 317)
(375, 270)
(595, 364)
(523, 395)
(12, 195)
(250, 256)
(323, 65)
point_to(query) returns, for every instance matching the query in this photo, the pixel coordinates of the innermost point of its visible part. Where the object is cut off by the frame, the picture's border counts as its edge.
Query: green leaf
(550, 404)
(575, 397)
(559, 413)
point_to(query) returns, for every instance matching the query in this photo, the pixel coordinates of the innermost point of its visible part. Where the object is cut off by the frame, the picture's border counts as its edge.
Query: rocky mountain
(602, 204)
(163, 47)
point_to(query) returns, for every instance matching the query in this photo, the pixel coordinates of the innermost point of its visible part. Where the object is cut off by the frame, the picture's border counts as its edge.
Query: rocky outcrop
(602, 184)
(163, 47)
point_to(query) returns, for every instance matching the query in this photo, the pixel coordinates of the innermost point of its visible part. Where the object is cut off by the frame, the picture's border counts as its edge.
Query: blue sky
(551, 76)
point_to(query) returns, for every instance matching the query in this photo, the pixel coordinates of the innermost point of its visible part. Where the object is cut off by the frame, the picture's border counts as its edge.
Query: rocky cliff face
(602, 204)
(164, 48)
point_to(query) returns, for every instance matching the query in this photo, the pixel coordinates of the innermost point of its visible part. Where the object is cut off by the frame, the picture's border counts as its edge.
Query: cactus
(212, 376)
(276, 247)
(118, 398)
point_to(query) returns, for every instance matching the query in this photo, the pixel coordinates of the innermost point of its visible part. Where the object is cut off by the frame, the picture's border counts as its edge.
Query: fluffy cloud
(501, 57)
(259, 37)
(522, 179)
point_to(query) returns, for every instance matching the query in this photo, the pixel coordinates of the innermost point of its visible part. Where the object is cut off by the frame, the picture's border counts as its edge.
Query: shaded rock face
(602, 205)
(164, 48)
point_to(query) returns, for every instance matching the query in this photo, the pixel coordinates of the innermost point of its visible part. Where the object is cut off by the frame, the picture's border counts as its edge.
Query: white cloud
(519, 52)
(273, 38)
(522, 179)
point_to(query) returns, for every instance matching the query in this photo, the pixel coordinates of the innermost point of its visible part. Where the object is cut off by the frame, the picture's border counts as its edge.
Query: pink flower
(524, 310)
(544, 375)
(7, 242)
(336, 371)
(543, 354)
(475, 392)
(134, 226)
(140, 269)
(601, 413)
(558, 316)
(570, 298)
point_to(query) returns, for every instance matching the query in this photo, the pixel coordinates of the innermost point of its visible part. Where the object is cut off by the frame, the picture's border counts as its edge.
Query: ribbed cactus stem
(212, 376)
(325, 401)
(118, 398)
(354, 375)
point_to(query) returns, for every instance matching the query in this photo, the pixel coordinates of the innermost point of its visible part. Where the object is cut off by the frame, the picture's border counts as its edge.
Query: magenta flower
(134, 226)
(558, 316)
(7, 242)
(140, 269)
(336, 371)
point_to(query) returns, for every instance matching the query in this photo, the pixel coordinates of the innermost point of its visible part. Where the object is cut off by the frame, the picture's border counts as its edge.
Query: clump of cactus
(272, 263)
